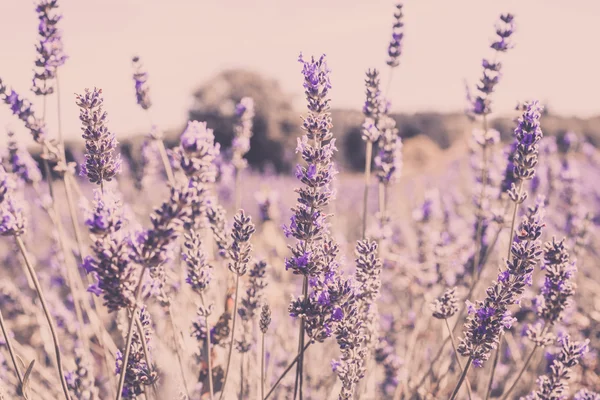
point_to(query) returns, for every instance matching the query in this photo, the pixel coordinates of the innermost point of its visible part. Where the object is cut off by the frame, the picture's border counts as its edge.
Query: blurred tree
(276, 124)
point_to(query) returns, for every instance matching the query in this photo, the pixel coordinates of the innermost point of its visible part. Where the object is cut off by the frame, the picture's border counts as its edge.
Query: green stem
(238, 188)
(49, 319)
(230, 353)
(368, 156)
(300, 365)
(176, 334)
(461, 379)
(493, 371)
(289, 367)
(458, 357)
(165, 160)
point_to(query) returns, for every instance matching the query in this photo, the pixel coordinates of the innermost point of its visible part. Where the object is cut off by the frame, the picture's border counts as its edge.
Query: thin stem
(242, 377)
(289, 367)
(262, 367)
(125, 359)
(49, 319)
(13, 357)
(176, 334)
(461, 379)
(525, 365)
(479, 230)
(142, 335)
(493, 371)
(523, 369)
(453, 341)
(389, 83)
(235, 306)
(208, 352)
(514, 218)
(165, 160)
(300, 365)
(368, 156)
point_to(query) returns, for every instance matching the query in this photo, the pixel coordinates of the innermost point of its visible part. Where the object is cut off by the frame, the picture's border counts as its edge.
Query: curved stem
(235, 305)
(458, 356)
(13, 357)
(461, 379)
(49, 319)
(289, 367)
(368, 156)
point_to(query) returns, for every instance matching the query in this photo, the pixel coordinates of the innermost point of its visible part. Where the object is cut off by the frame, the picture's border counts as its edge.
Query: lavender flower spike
(395, 46)
(142, 90)
(244, 112)
(555, 385)
(22, 163)
(388, 161)
(50, 48)
(101, 162)
(23, 109)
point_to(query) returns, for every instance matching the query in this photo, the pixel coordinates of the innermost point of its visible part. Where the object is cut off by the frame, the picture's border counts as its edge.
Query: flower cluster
(308, 223)
(267, 201)
(395, 46)
(585, 394)
(555, 385)
(111, 262)
(151, 247)
(324, 308)
(142, 90)
(558, 285)
(445, 306)
(240, 145)
(199, 271)
(22, 163)
(216, 217)
(481, 104)
(489, 318)
(254, 292)
(385, 355)
(138, 373)
(372, 107)
(101, 162)
(81, 381)
(23, 109)
(265, 318)
(12, 218)
(50, 54)
(388, 161)
(197, 152)
(239, 252)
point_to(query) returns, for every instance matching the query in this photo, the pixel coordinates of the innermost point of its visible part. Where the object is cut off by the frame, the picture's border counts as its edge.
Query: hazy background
(185, 44)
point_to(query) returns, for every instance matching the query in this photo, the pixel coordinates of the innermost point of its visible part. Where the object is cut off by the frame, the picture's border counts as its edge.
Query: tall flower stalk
(239, 256)
(553, 300)
(481, 107)
(370, 134)
(308, 224)
(244, 112)
(395, 46)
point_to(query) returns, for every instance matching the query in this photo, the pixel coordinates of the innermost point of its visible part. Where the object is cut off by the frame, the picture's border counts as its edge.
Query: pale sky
(183, 43)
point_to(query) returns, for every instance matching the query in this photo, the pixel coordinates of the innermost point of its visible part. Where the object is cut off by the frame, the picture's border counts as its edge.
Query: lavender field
(242, 257)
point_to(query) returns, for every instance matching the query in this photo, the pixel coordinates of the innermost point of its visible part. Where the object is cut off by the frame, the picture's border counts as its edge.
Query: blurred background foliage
(426, 135)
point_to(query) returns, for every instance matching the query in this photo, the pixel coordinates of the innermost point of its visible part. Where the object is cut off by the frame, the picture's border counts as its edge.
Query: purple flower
(140, 78)
(395, 46)
(102, 163)
(243, 132)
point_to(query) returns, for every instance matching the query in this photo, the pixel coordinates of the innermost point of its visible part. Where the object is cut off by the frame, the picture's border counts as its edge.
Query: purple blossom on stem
(50, 54)
(102, 163)
(23, 109)
(142, 90)
(22, 163)
(395, 46)
(555, 384)
(240, 145)
(388, 161)
(12, 218)
(489, 318)
(199, 270)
